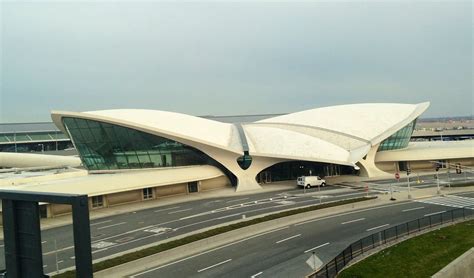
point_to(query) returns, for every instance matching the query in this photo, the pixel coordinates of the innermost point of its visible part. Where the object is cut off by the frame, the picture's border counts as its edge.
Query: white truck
(309, 181)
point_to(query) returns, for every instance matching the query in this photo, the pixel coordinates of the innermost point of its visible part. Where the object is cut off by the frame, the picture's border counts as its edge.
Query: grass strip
(421, 256)
(212, 232)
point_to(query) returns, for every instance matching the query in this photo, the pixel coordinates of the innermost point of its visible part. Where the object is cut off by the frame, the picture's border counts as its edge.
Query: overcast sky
(233, 58)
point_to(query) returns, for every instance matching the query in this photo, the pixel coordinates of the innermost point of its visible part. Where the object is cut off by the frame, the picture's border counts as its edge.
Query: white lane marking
(113, 225)
(44, 266)
(178, 211)
(231, 201)
(61, 261)
(208, 251)
(288, 238)
(214, 265)
(43, 242)
(193, 224)
(160, 210)
(347, 213)
(405, 210)
(352, 221)
(314, 248)
(117, 235)
(227, 216)
(378, 227)
(1, 246)
(429, 214)
(256, 274)
(98, 223)
(121, 244)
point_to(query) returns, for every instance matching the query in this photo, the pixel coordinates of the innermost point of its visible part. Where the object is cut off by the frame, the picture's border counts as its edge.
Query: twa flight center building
(328, 141)
(133, 155)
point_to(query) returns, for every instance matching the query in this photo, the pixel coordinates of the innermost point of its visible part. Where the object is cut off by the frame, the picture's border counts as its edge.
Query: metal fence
(374, 240)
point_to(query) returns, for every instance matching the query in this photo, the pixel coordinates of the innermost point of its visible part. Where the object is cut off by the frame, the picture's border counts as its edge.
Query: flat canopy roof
(100, 184)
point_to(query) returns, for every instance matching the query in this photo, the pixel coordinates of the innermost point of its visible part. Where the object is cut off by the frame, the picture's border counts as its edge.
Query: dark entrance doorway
(291, 170)
(264, 177)
(193, 187)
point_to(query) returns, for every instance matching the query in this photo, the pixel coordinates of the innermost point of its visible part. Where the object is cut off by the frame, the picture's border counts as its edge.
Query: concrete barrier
(463, 266)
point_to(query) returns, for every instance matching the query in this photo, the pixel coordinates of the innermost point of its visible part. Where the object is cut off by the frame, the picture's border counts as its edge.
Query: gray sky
(233, 58)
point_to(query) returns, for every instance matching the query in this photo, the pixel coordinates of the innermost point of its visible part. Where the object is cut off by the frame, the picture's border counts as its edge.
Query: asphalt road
(419, 181)
(284, 252)
(121, 233)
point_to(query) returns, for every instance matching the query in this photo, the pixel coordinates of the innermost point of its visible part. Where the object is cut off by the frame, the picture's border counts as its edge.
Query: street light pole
(437, 183)
(409, 191)
(391, 193)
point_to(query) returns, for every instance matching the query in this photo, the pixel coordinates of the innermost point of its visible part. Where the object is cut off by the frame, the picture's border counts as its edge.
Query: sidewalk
(255, 230)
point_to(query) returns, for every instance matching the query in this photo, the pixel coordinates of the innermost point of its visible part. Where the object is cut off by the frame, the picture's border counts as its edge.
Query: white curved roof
(339, 134)
(192, 128)
(182, 124)
(369, 121)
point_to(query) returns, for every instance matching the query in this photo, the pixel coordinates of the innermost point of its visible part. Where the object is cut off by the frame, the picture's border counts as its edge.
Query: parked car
(310, 181)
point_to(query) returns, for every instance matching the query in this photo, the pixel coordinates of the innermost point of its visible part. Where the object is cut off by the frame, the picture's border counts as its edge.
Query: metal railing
(391, 234)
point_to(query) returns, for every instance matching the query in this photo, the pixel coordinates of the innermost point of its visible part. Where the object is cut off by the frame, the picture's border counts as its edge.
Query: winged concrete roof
(338, 134)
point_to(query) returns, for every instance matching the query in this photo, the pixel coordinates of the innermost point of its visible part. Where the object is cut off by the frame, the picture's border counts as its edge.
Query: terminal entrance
(193, 187)
(264, 177)
(291, 170)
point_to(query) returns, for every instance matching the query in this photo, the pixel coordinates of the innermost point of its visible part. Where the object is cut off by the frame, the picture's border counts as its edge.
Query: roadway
(418, 182)
(283, 252)
(121, 233)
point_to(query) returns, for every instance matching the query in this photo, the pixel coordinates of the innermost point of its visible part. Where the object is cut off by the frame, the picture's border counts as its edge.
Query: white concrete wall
(24, 160)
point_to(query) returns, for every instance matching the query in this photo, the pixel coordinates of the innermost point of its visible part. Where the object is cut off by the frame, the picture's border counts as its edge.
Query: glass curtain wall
(399, 139)
(104, 146)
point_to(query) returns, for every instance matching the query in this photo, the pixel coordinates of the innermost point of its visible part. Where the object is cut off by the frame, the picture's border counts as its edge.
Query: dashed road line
(256, 274)
(317, 247)
(288, 238)
(178, 211)
(208, 251)
(352, 221)
(214, 265)
(434, 213)
(160, 210)
(405, 210)
(102, 222)
(378, 227)
(232, 201)
(113, 225)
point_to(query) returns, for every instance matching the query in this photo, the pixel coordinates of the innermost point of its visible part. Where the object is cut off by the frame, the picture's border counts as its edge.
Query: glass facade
(104, 146)
(398, 140)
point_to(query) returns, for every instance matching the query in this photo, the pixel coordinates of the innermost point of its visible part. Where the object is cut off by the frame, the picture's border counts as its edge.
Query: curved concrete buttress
(367, 165)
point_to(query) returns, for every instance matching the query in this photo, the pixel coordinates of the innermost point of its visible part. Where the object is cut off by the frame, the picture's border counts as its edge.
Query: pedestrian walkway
(450, 201)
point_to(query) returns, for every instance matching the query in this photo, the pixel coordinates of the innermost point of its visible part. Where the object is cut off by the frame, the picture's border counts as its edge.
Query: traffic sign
(397, 175)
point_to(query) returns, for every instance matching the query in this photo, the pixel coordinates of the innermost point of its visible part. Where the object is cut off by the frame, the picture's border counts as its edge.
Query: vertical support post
(23, 255)
(10, 238)
(82, 237)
